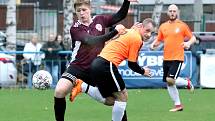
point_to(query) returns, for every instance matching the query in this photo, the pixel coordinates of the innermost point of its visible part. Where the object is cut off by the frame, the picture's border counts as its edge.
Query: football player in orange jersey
(173, 33)
(104, 69)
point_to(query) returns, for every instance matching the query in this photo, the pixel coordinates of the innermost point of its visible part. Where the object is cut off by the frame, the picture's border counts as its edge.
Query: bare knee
(109, 101)
(121, 96)
(63, 87)
(170, 81)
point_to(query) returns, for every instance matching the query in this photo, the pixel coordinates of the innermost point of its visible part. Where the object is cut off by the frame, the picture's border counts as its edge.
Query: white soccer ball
(42, 80)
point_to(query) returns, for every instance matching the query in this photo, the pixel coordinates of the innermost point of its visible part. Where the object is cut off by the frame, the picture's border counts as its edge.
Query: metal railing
(18, 72)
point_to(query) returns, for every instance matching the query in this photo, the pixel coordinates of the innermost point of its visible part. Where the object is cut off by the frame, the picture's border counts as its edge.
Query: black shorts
(171, 69)
(106, 76)
(72, 73)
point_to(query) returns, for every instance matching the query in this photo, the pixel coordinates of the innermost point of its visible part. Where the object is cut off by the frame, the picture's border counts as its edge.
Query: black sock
(124, 118)
(88, 87)
(60, 108)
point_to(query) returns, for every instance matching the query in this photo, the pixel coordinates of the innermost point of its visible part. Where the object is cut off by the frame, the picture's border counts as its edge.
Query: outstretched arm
(121, 14)
(91, 40)
(136, 68)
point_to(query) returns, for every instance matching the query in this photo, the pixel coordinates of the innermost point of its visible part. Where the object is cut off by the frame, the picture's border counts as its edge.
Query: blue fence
(152, 59)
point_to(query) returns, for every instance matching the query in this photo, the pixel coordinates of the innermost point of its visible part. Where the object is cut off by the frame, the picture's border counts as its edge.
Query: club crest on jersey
(99, 27)
(177, 30)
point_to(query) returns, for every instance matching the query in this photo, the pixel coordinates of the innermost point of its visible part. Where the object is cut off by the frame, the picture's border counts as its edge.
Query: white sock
(84, 87)
(93, 92)
(181, 81)
(174, 94)
(118, 110)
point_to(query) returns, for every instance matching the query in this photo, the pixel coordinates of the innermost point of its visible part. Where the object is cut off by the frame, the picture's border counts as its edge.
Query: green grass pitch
(143, 105)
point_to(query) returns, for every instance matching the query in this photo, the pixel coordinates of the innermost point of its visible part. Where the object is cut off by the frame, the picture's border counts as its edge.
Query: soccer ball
(42, 80)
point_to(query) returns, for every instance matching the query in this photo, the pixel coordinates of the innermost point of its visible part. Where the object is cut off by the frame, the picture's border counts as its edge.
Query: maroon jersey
(83, 54)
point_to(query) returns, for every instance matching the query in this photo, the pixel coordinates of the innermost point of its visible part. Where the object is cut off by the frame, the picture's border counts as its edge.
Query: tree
(156, 16)
(198, 13)
(11, 24)
(68, 20)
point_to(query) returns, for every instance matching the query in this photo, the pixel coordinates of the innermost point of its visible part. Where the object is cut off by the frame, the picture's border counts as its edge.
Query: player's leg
(109, 81)
(92, 91)
(88, 86)
(63, 87)
(119, 105)
(174, 70)
(185, 82)
(174, 94)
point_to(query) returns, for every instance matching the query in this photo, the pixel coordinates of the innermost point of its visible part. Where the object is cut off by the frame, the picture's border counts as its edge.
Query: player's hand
(186, 45)
(152, 46)
(120, 28)
(147, 72)
(134, 1)
(138, 24)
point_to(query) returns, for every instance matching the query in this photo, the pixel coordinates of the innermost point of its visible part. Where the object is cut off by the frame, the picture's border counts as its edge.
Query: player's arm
(192, 40)
(134, 48)
(91, 40)
(187, 44)
(155, 44)
(157, 40)
(188, 33)
(122, 13)
(136, 68)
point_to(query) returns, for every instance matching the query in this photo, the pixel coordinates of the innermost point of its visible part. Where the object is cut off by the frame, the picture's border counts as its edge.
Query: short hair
(148, 20)
(81, 2)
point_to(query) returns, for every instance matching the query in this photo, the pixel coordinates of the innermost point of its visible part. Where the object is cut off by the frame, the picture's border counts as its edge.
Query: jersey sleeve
(121, 13)
(187, 31)
(110, 20)
(160, 34)
(134, 47)
(107, 20)
(77, 35)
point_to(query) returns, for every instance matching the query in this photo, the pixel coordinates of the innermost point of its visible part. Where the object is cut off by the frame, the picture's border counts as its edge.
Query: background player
(173, 33)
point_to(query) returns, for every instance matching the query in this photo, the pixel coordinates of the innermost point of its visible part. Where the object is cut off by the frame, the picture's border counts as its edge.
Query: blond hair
(148, 20)
(81, 2)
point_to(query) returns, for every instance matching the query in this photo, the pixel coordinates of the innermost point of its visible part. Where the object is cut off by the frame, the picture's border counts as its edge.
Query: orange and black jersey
(173, 34)
(123, 47)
